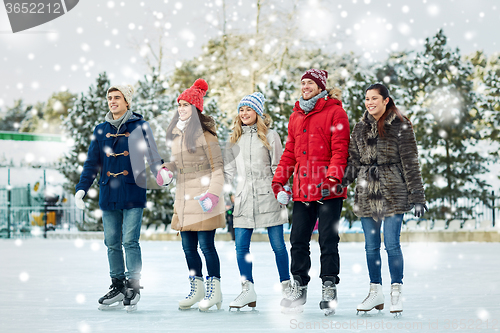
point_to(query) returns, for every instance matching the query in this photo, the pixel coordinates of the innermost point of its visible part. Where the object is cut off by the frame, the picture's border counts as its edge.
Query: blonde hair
(263, 123)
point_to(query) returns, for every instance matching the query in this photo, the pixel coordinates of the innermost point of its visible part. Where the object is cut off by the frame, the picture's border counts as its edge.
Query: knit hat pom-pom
(202, 85)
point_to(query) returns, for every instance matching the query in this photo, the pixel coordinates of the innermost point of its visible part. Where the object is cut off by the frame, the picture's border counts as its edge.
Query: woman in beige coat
(196, 158)
(254, 156)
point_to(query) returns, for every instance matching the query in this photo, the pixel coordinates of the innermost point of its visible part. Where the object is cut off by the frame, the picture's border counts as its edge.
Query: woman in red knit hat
(196, 158)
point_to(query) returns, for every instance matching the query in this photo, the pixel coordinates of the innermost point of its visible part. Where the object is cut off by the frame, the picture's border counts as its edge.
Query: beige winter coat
(254, 204)
(387, 169)
(188, 215)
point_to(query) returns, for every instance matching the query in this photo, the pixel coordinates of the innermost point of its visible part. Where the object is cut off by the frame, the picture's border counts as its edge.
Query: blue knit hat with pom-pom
(255, 101)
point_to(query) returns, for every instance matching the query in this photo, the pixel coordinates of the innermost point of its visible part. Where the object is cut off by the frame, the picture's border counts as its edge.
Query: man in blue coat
(117, 150)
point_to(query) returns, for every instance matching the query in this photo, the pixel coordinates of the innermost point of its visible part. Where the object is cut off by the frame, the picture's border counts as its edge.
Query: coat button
(304, 152)
(305, 196)
(305, 130)
(305, 174)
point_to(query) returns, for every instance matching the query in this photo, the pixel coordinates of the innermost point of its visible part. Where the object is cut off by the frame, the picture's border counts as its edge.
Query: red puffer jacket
(316, 148)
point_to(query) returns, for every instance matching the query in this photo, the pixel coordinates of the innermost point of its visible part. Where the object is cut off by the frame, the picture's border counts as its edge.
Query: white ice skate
(213, 295)
(247, 297)
(329, 298)
(375, 299)
(195, 295)
(113, 300)
(286, 288)
(396, 300)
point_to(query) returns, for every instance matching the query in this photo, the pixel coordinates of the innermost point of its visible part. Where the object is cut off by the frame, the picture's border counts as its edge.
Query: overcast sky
(98, 35)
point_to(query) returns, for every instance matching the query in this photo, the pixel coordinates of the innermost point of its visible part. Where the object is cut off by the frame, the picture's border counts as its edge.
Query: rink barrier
(406, 237)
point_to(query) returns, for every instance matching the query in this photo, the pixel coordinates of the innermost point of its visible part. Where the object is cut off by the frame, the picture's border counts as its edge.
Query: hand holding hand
(330, 185)
(79, 199)
(164, 177)
(207, 201)
(420, 209)
(283, 197)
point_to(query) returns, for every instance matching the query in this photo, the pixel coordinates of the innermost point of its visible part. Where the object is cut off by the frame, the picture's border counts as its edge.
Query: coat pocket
(266, 201)
(237, 204)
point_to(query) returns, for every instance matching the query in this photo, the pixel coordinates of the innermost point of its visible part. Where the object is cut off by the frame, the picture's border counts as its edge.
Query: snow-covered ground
(53, 286)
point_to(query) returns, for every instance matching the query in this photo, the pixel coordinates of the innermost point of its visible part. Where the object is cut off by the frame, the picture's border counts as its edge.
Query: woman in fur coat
(197, 159)
(383, 157)
(254, 156)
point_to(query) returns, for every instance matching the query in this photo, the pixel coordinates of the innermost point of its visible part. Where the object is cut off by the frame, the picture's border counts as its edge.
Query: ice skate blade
(240, 310)
(131, 308)
(292, 310)
(110, 307)
(210, 310)
(397, 314)
(365, 313)
(329, 312)
(187, 309)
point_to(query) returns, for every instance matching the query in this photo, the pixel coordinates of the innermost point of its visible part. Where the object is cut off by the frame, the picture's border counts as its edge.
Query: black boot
(115, 295)
(133, 295)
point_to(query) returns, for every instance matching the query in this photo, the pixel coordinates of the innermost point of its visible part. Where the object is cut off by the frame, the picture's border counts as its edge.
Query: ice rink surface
(54, 285)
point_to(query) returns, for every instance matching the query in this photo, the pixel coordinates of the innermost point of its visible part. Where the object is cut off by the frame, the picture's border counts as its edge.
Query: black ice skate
(132, 296)
(297, 298)
(114, 298)
(329, 298)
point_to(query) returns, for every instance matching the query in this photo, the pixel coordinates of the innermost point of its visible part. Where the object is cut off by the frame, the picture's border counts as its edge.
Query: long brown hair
(263, 123)
(390, 107)
(198, 119)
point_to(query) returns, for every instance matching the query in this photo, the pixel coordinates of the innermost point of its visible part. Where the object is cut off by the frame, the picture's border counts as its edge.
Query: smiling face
(375, 103)
(117, 104)
(185, 110)
(309, 89)
(247, 115)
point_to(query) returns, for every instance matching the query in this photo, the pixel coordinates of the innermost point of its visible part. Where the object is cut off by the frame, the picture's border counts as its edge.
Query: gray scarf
(308, 105)
(117, 123)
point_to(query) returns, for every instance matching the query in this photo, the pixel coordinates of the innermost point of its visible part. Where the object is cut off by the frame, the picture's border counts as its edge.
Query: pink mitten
(164, 177)
(207, 201)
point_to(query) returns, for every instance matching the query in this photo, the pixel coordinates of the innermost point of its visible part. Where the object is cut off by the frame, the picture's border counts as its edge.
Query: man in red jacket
(316, 154)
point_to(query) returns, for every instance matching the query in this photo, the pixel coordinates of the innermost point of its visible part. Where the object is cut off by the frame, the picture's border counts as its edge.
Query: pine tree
(444, 114)
(13, 116)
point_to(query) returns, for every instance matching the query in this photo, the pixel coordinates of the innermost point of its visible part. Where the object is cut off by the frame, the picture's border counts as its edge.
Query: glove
(419, 209)
(283, 197)
(283, 193)
(330, 185)
(164, 177)
(207, 201)
(79, 199)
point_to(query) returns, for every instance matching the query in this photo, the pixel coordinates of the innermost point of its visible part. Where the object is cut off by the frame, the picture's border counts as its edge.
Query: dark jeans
(206, 239)
(304, 218)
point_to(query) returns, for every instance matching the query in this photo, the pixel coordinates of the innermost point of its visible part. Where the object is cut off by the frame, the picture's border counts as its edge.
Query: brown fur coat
(387, 169)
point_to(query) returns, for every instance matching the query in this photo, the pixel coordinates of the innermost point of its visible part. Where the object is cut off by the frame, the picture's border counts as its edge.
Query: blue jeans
(392, 231)
(206, 239)
(123, 227)
(242, 242)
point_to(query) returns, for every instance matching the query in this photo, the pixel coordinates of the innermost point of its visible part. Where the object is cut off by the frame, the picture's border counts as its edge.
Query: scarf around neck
(181, 124)
(308, 105)
(117, 123)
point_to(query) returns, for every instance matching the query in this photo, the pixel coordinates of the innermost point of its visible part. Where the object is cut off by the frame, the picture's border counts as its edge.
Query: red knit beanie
(194, 95)
(317, 75)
